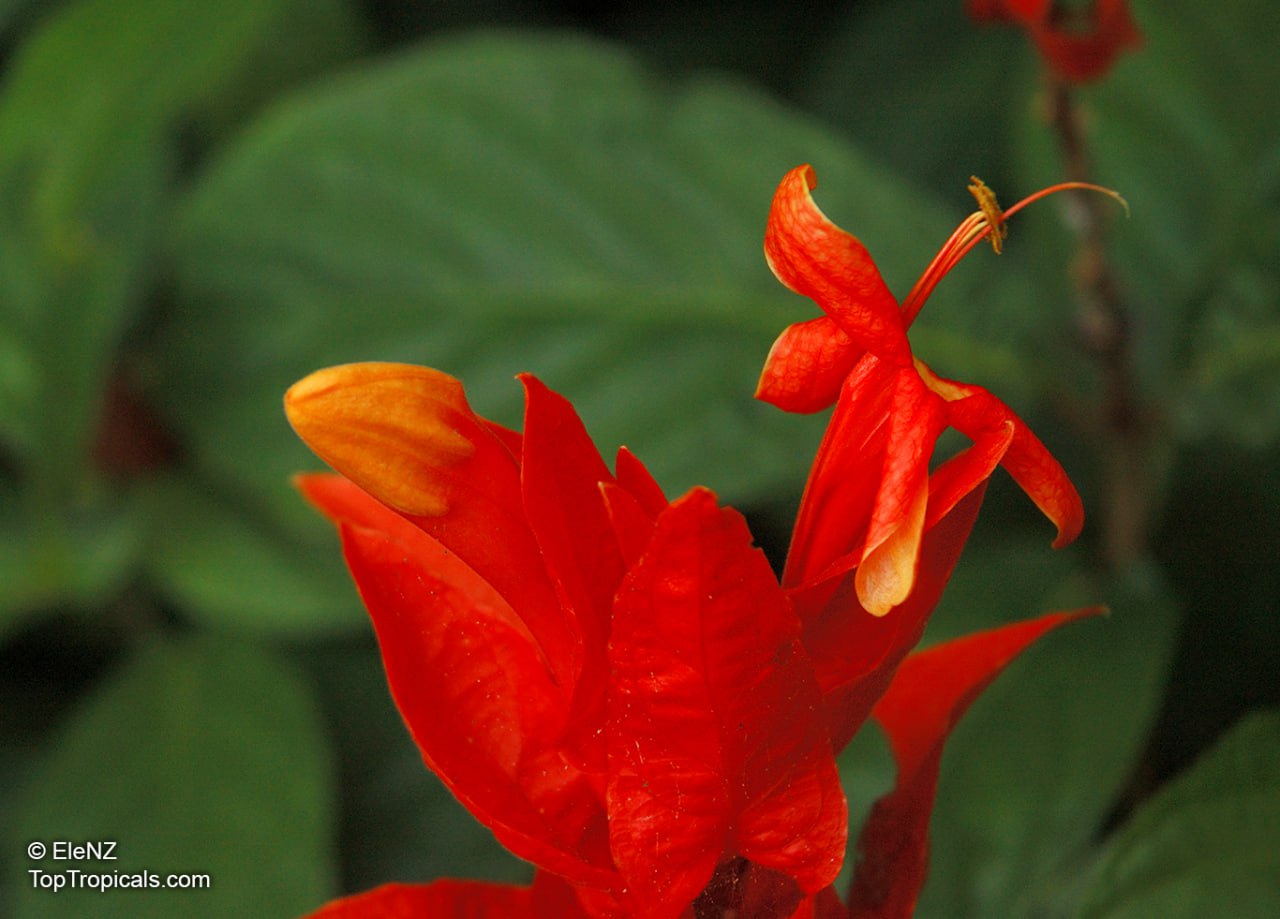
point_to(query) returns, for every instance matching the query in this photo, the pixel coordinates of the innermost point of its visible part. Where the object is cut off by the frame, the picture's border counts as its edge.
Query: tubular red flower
(870, 496)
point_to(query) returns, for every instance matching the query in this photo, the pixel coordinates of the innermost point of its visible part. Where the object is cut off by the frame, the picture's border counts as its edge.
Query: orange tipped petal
(815, 258)
(406, 435)
(887, 571)
(390, 428)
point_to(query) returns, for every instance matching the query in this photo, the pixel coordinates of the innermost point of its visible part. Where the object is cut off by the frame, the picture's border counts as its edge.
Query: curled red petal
(716, 739)
(951, 482)
(457, 899)
(928, 695)
(807, 366)
(976, 413)
(814, 257)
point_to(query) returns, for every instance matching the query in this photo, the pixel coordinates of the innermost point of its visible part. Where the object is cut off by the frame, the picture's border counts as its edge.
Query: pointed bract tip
(390, 428)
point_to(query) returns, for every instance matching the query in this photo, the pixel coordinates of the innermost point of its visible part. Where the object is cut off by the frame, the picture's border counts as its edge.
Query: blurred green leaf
(196, 757)
(1036, 765)
(921, 85)
(1183, 128)
(492, 204)
(86, 160)
(221, 566)
(80, 557)
(1205, 845)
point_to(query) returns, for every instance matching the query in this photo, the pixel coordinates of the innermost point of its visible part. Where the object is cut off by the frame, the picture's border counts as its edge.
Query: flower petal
(854, 654)
(635, 478)
(807, 366)
(814, 257)
(406, 435)
(976, 413)
(968, 469)
(457, 899)
(928, 695)
(716, 737)
(400, 432)
(561, 473)
(887, 570)
(1080, 47)
(470, 683)
(838, 498)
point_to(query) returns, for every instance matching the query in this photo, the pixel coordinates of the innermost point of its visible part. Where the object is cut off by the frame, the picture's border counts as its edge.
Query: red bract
(1077, 46)
(613, 684)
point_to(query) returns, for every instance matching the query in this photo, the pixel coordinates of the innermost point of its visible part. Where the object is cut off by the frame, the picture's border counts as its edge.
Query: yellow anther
(990, 207)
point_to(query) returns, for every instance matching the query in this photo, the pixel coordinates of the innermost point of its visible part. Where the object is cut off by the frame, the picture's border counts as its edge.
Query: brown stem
(1107, 335)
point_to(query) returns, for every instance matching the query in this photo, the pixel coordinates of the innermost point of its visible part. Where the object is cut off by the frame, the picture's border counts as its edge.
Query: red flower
(870, 498)
(614, 685)
(1078, 47)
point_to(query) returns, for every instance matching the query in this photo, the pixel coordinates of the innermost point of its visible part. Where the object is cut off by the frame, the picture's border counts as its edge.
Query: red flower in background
(1078, 46)
(617, 685)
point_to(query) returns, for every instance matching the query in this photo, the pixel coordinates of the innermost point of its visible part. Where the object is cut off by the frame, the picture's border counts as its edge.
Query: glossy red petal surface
(716, 737)
(856, 654)
(635, 478)
(886, 572)
(836, 508)
(561, 476)
(926, 699)
(807, 366)
(439, 899)
(477, 697)
(814, 257)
